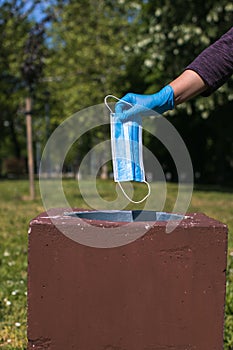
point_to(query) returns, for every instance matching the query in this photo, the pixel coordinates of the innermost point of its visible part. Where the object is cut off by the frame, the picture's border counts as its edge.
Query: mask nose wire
(122, 189)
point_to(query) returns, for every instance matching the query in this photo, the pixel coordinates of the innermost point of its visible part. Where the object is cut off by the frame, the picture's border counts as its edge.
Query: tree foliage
(87, 60)
(75, 52)
(21, 68)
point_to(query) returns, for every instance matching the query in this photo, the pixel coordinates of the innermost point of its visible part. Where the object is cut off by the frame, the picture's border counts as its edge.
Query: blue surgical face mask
(127, 155)
(126, 143)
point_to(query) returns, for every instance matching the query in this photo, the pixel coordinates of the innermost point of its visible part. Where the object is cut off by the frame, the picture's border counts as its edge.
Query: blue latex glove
(159, 102)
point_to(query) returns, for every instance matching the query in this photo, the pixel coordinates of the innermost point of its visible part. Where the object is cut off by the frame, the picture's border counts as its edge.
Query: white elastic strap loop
(131, 200)
(116, 98)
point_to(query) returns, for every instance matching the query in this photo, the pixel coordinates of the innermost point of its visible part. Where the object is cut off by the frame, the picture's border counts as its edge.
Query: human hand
(159, 102)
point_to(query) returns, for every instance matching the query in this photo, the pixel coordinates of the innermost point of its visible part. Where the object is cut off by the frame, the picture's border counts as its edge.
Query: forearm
(215, 64)
(187, 85)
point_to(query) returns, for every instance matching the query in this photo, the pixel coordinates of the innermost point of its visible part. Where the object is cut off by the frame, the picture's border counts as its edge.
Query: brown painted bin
(159, 292)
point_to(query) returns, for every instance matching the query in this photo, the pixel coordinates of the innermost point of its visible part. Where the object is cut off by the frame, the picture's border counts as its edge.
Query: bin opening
(125, 215)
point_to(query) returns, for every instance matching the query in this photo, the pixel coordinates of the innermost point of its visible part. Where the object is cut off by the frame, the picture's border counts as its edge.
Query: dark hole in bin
(126, 215)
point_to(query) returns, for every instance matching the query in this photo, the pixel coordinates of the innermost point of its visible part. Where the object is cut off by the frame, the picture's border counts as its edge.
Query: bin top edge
(55, 216)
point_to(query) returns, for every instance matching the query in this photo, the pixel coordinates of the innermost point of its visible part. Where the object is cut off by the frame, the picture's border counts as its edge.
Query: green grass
(16, 212)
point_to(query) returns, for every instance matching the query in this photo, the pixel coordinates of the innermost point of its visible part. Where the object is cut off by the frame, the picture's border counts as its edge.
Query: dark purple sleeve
(215, 64)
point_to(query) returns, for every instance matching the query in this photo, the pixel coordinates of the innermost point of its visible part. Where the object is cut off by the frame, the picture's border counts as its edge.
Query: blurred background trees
(70, 54)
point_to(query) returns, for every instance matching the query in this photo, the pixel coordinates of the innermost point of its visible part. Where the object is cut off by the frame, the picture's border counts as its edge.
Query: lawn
(16, 212)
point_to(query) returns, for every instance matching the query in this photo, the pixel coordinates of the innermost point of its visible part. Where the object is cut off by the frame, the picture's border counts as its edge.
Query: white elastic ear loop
(116, 98)
(122, 189)
(131, 200)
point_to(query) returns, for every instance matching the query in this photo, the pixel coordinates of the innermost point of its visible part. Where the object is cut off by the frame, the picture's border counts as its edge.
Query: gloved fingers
(125, 103)
(120, 107)
(134, 112)
(130, 98)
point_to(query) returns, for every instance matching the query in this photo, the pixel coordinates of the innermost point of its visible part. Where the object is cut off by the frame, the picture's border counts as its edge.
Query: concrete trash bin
(159, 292)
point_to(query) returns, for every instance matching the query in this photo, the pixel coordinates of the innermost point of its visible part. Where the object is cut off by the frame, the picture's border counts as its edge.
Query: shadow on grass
(213, 188)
